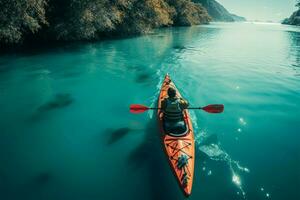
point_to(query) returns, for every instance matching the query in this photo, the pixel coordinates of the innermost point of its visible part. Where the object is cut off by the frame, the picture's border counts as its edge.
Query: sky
(264, 10)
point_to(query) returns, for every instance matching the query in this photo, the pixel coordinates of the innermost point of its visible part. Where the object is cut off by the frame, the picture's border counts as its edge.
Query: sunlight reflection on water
(216, 153)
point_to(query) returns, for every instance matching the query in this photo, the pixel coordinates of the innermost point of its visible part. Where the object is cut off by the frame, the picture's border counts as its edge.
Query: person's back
(173, 106)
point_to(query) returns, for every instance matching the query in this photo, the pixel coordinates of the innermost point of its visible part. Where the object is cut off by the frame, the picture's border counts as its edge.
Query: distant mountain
(238, 18)
(294, 19)
(218, 12)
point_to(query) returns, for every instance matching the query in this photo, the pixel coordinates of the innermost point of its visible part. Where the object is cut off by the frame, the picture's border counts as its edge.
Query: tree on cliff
(19, 17)
(92, 19)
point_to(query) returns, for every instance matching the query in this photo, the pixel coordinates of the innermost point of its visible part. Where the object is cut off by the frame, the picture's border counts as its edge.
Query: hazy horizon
(264, 10)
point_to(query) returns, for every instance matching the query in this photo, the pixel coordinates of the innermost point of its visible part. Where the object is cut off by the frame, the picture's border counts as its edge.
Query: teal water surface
(66, 131)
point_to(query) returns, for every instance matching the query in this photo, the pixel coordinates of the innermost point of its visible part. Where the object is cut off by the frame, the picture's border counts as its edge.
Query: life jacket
(173, 112)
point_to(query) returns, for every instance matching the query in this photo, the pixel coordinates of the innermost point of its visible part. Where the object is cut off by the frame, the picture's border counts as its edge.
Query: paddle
(213, 108)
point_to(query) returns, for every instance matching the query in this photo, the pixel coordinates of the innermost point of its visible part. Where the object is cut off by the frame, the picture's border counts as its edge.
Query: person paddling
(173, 107)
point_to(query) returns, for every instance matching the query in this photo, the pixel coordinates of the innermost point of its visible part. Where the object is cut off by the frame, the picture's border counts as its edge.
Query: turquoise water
(66, 131)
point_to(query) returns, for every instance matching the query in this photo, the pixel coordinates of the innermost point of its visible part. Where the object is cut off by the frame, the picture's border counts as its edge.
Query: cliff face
(218, 12)
(188, 13)
(65, 20)
(294, 19)
(69, 20)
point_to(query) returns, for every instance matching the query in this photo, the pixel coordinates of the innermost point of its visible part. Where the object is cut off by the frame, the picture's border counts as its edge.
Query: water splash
(266, 194)
(194, 119)
(216, 153)
(242, 121)
(153, 98)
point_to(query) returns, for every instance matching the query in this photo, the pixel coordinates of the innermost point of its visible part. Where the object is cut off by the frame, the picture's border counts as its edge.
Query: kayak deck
(180, 150)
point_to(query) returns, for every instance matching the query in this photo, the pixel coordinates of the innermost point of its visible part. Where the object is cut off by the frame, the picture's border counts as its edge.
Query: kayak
(180, 147)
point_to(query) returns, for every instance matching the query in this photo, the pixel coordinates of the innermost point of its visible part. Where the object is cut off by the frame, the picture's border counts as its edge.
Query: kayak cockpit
(177, 128)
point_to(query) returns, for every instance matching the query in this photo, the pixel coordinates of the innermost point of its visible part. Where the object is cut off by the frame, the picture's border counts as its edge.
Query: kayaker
(173, 106)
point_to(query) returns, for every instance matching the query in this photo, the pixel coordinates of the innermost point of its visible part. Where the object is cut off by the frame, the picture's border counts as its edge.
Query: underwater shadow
(179, 47)
(59, 101)
(117, 134)
(145, 77)
(42, 178)
(150, 156)
(37, 186)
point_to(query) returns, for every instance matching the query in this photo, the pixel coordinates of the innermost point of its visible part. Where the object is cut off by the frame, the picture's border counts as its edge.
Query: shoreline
(34, 46)
(30, 46)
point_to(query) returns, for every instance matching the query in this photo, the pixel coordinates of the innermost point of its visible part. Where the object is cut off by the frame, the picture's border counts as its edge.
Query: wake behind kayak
(177, 136)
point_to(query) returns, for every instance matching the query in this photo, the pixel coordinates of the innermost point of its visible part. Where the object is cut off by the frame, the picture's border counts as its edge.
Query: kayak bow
(179, 149)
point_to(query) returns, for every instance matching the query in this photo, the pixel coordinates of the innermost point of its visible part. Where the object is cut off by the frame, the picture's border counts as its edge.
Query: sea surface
(66, 131)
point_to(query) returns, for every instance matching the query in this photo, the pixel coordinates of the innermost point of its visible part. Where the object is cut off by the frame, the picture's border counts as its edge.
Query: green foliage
(93, 19)
(19, 17)
(189, 13)
(82, 19)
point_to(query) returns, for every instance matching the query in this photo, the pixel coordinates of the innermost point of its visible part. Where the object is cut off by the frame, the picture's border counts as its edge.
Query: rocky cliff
(294, 19)
(218, 12)
(73, 20)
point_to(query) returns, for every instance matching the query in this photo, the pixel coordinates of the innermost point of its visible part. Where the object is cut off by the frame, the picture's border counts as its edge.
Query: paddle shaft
(186, 108)
(213, 108)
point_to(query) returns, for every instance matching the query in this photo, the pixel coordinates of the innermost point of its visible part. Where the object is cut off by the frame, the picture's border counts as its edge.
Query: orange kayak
(179, 147)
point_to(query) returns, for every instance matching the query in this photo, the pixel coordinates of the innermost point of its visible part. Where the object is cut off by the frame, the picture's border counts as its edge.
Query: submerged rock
(179, 47)
(142, 78)
(118, 134)
(59, 101)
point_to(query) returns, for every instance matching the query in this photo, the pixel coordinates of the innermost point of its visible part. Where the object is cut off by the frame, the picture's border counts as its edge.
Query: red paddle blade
(214, 108)
(136, 108)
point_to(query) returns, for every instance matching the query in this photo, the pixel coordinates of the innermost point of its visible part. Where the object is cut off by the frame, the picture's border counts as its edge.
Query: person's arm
(184, 104)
